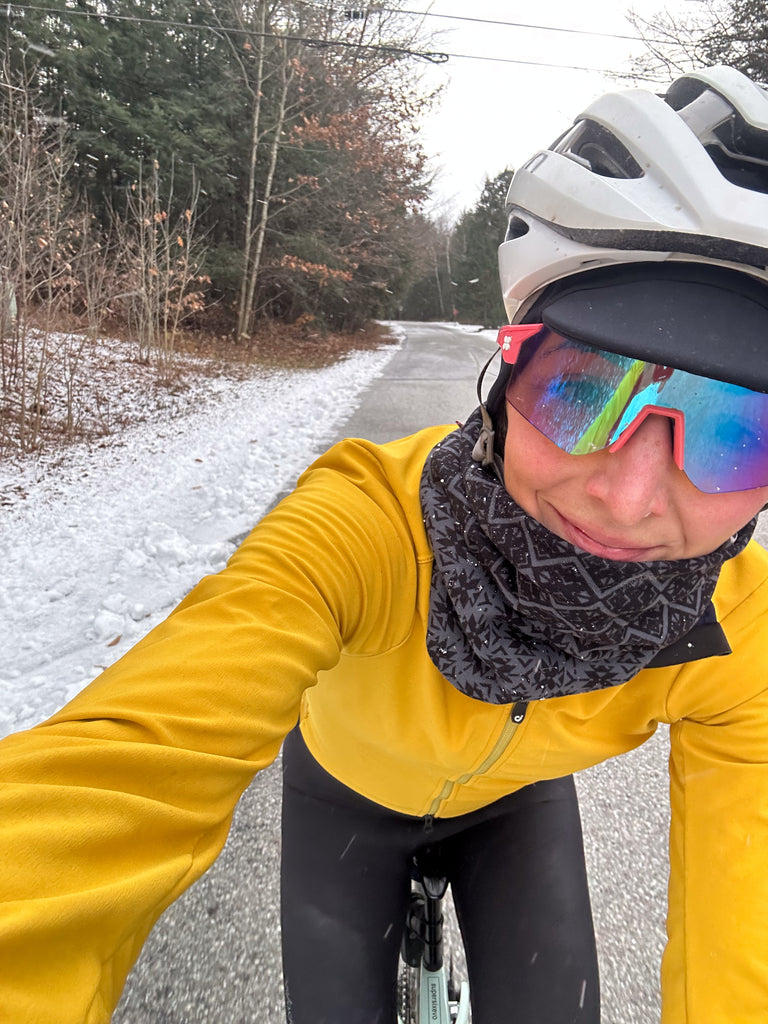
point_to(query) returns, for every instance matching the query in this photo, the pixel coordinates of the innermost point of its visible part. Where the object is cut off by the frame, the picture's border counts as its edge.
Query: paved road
(214, 957)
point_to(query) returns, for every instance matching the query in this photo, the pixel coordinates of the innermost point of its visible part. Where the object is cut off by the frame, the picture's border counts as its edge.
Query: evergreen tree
(136, 82)
(476, 296)
(306, 158)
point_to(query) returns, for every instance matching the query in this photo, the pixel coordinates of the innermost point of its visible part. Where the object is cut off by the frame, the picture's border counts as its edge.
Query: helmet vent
(738, 148)
(594, 147)
(516, 229)
(748, 173)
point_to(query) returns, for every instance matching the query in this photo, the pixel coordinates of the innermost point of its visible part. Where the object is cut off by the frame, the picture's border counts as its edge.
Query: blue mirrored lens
(583, 399)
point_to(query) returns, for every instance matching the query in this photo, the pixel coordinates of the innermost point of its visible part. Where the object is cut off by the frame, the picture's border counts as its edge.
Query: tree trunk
(244, 308)
(274, 151)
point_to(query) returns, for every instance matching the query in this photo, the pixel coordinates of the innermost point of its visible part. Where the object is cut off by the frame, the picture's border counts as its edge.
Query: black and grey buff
(516, 613)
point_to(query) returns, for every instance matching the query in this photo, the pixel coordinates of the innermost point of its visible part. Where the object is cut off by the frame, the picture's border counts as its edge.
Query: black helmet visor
(703, 318)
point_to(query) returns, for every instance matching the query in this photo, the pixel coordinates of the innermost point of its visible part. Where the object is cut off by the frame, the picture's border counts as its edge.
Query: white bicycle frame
(435, 1004)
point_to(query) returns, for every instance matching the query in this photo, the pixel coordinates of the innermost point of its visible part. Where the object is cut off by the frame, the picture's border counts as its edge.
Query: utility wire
(528, 63)
(433, 57)
(387, 10)
(376, 8)
(508, 24)
(312, 41)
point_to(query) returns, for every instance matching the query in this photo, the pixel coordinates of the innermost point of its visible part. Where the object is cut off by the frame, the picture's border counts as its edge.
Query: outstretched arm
(113, 807)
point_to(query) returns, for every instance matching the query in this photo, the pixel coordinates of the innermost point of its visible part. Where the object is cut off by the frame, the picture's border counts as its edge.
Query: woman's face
(631, 505)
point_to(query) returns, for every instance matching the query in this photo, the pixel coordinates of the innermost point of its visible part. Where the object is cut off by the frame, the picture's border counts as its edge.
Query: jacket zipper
(516, 716)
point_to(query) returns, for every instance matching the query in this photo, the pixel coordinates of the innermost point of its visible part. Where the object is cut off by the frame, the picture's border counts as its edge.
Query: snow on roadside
(100, 549)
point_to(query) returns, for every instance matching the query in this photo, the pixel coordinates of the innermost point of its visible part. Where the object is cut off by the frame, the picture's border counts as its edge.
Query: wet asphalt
(215, 956)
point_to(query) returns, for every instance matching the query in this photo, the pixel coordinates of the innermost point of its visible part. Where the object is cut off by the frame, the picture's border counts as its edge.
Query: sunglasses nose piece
(675, 418)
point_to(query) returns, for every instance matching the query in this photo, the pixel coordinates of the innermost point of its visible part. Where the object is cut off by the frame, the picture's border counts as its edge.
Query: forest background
(220, 168)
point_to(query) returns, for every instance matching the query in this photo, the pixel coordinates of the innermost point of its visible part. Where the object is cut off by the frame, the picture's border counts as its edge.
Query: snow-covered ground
(99, 548)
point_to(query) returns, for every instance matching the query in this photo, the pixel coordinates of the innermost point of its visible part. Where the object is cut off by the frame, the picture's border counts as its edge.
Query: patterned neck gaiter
(516, 613)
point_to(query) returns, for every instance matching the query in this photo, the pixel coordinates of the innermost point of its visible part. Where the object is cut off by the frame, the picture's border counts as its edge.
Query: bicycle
(428, 994)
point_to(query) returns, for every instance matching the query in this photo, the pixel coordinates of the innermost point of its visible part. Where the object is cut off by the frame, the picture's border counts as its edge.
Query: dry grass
(94, 389)
(284, 346)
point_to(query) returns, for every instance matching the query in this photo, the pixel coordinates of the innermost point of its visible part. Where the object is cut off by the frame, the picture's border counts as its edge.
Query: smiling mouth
(605, 547)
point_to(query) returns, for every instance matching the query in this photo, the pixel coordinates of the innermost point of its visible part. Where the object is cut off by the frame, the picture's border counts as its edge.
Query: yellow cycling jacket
(114, 806)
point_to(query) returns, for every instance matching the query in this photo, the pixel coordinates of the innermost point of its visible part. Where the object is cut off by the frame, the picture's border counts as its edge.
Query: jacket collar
(705, 640)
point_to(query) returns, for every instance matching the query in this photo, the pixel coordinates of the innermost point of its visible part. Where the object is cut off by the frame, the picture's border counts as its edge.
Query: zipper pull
(518, 711)
(429, 823)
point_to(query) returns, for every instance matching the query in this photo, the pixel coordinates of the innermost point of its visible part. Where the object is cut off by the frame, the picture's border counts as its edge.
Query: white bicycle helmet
(644, 228)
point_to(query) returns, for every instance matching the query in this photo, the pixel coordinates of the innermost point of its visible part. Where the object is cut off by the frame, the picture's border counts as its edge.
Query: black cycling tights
(519, 884)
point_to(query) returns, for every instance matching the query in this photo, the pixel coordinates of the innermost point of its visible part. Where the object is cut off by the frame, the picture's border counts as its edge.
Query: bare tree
(159, 259)
(94, 261)
(265, 57)
(36, 272)
(678, 43)
(290, 81)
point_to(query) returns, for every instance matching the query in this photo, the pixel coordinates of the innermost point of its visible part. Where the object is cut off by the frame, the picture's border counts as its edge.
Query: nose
(635, 479)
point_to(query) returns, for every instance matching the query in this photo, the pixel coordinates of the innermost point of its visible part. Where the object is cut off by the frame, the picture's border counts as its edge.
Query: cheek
(532, 463)
(719, 516)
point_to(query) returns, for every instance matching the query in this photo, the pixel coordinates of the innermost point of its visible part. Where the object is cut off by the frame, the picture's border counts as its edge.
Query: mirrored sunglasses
(585, 399)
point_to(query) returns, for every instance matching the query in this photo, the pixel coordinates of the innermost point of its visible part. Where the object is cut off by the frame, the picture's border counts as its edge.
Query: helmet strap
(484, 450)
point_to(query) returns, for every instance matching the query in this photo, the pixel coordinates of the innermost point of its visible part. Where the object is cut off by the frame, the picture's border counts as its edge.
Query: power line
(376, 8)
(528, 63)
(513, 24)
(313, 41)
(434, 57)
(387, 10)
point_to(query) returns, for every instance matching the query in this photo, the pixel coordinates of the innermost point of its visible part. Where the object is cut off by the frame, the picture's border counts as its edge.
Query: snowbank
(98, 550)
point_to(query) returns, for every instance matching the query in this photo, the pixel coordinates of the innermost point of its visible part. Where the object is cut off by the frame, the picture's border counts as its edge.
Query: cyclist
(464, 618)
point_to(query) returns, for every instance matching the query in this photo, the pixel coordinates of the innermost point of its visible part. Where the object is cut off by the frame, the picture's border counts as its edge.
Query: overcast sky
(495, 114)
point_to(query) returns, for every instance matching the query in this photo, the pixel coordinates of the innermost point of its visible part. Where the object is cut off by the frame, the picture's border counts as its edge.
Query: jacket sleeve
(114, 806)
(715, 967)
